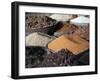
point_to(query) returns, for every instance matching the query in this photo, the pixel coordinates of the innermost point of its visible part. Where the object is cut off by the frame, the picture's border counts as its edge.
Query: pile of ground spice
(73, 43)
(83, 32)
(67, 28)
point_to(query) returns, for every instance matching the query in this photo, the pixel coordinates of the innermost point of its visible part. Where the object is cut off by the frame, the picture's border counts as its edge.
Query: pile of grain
(63, 17)
(38, 39)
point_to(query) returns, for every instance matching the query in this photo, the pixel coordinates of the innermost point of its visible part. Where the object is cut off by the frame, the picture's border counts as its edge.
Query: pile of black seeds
(81, 59)
(39, 21)
(34, 56)
(61, 58)
(42, 57)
